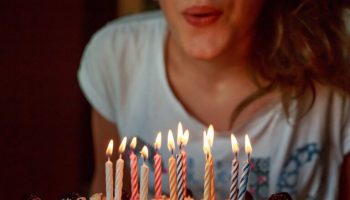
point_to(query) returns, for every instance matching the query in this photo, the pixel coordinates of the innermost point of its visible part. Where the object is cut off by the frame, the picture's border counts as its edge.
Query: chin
(202, 52)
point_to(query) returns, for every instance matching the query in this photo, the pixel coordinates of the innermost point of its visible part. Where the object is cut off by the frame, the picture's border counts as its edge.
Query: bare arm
(102, 132)
(345, 179)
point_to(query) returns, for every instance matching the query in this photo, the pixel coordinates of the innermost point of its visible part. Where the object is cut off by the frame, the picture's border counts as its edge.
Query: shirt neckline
(180, 109)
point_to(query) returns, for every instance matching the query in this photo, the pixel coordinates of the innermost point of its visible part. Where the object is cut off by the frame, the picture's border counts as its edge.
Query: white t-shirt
(123, 76)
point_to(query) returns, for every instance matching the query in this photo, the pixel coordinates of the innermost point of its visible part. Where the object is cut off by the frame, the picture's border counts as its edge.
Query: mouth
(202, 15)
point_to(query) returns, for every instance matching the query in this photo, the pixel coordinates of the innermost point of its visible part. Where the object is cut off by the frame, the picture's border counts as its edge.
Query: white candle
(119, 172)
(144, 175)
(109, 172)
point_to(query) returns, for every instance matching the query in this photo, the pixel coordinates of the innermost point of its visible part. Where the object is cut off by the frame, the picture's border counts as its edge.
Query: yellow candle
(172, 167)
(144, 175)
(210, 138)
(207, 174)
(119, 172)
(109, 172)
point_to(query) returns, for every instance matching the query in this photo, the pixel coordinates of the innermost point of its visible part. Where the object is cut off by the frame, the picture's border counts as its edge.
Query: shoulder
(130, 30)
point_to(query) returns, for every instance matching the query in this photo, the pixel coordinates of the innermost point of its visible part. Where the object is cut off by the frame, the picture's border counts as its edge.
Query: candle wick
(120, 156)
(172, 152)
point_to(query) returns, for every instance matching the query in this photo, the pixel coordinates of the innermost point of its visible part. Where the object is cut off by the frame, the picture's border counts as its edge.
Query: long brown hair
(298, 43)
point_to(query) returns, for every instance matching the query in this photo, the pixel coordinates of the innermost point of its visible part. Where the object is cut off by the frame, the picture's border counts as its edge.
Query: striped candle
(184, 155)
(207, 181)
(245, 171)
(109, 172)
(234, 169)
(179, 177)
(212, 179)
(119, 172)
(133, 171)
(207, 174)
(244, 180)
(172, 167)
(158, 175)
(144, 175)
(184, 158)
(234, 180)
(158, 168)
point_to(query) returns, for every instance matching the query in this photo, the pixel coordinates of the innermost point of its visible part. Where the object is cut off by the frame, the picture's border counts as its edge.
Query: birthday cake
(126, 196)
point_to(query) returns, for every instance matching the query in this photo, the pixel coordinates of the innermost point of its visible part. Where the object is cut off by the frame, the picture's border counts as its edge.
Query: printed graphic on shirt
(288, 179)
(259, 178)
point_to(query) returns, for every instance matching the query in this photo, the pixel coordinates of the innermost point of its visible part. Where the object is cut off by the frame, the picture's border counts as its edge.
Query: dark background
(45, 143)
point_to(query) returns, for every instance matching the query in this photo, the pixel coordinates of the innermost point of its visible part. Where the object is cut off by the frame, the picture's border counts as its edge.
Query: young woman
(275, 70)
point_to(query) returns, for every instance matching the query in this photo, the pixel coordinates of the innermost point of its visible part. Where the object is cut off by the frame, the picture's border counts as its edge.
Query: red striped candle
(158, 168)
(133, 170)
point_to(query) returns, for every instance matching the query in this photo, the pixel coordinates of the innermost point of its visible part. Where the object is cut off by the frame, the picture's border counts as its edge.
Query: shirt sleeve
(95, 78)
(346, 131)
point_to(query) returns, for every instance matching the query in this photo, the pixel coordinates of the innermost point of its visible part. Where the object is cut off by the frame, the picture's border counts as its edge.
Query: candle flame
(122, 145)
(109, 150)
(234, 143)
(179, 134)
(248, 147)
(133, 143)
(210, 135)
(206, 147)
(158, 142)
(171, 142)
(144, 152)
(186, 137)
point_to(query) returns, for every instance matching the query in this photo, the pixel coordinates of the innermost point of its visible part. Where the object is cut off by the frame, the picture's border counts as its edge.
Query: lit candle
(133, 171)
(234, 170)
(179, 165)
(144, 175)
(184, 136)
(245, 171)
(119, 172)
(158, 168)
(172, 167)
(210, 138)
(207, 174)
(109, 172)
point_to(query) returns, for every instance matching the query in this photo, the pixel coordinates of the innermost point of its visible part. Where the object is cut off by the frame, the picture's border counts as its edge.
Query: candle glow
(109, 150)
(171, 142)
(180, 136)
(158, 142)
(144, 152)
(186, 136)
(210, 135)
(206, 146)
(122, 145)
(234, 143)
(133, 143)
(248, 146)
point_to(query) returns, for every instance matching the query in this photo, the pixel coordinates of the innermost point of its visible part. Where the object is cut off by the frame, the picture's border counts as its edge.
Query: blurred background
(45, 143)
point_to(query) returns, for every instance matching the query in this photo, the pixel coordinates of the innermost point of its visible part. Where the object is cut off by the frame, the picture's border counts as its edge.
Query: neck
(232, 62)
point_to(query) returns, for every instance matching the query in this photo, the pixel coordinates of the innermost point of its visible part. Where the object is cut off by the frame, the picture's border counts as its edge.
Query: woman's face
(206, 29)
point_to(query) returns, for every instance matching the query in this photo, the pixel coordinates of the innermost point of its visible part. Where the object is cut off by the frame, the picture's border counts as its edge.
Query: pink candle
(158, 168)
(133, 170)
